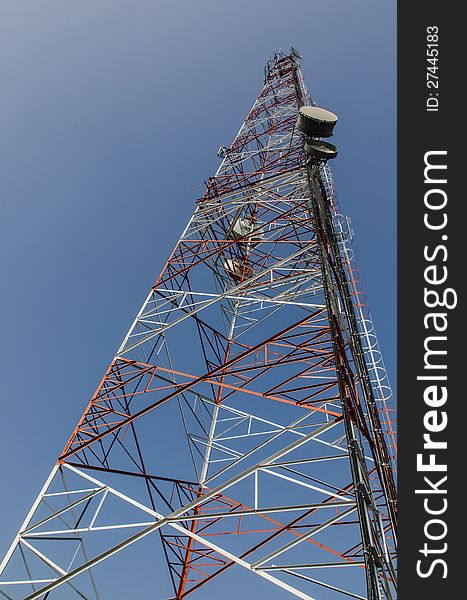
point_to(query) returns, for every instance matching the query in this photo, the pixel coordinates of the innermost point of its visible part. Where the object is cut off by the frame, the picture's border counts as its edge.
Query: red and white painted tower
(245, 420)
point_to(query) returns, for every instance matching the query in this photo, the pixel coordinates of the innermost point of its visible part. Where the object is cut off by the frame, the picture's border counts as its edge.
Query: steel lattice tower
(245, 420)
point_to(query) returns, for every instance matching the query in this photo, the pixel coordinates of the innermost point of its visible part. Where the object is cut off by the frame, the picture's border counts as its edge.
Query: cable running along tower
(245, 422)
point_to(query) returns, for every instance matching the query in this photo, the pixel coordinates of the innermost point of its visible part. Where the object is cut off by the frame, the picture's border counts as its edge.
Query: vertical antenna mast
(244, 421)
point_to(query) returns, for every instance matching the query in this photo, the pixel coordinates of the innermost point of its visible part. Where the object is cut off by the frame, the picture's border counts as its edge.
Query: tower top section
(279, 56)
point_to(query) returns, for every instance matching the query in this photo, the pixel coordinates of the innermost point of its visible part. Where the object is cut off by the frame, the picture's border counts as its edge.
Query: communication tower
(246, 419)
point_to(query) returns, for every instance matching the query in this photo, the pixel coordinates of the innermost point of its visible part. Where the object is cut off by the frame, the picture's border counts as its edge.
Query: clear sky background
(111, 113)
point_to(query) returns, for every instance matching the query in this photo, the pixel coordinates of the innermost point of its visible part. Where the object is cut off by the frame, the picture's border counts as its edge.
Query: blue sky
(111, 113)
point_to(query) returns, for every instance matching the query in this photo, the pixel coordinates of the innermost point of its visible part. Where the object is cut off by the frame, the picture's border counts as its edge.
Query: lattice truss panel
(218, 427)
